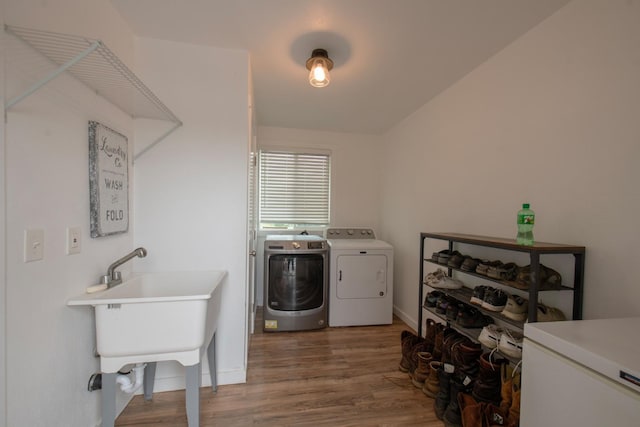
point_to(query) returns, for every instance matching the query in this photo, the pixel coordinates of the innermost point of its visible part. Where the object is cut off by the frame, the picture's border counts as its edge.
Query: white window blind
(294, 188)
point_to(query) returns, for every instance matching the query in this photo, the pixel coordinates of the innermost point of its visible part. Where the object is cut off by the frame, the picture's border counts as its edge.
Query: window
(294, 189)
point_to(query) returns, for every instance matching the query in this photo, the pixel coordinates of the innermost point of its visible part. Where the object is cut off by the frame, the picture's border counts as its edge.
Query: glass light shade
(319, 74)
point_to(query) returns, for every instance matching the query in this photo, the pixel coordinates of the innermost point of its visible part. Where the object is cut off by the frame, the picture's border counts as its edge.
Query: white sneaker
(490, 336)
(434, 277)
(516, 308)
(446, 283)
(511, 344)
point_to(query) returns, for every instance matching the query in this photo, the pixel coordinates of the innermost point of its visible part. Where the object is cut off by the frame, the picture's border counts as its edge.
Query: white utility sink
(152, 317)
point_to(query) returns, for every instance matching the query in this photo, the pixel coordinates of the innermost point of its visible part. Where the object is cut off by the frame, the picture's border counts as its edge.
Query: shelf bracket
(55, 73)
(92, 63)
(157, 140)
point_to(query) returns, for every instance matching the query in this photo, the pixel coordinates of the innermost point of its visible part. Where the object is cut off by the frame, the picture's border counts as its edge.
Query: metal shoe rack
(464, 294)
(91, 62)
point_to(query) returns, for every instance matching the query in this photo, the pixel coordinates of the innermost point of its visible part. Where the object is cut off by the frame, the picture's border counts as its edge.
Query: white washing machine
(360, 278)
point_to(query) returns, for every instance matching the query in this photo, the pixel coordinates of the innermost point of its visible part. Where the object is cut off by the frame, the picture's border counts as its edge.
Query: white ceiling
(391, 56)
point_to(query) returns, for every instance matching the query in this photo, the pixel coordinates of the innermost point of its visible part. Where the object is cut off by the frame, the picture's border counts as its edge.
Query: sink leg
(193, 377)
(149, 378)
(211, 357)
(109, 399)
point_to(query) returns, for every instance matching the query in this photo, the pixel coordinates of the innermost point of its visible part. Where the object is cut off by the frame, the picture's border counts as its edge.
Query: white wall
(551, 120)
(355, 178)
(355, 169)
(49, 345)
(191, 188)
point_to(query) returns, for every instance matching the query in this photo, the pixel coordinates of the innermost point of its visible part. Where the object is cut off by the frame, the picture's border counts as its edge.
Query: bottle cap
(525, 205)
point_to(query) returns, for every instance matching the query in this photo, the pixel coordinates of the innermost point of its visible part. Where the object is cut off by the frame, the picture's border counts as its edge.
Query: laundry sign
(108, 180)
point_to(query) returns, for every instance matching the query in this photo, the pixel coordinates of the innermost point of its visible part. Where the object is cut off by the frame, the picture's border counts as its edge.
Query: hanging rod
(91, 62)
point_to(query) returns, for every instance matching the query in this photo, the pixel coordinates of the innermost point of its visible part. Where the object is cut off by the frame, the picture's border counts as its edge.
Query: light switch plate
(74, 240)
(33, 244)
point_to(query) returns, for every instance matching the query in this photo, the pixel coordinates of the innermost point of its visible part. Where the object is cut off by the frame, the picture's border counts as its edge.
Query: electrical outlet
(74, 240)
(33, 245)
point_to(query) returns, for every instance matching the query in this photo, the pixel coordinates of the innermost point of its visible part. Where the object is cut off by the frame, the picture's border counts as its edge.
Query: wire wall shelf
(95, 65)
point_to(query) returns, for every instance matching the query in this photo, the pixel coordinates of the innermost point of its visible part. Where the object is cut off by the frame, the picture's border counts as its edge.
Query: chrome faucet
(113, 277)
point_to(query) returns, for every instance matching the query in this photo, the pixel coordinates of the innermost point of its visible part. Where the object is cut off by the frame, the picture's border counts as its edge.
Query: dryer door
(361, 276)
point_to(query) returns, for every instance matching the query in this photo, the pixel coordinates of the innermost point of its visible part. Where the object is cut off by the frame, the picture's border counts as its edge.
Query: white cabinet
(575, 374)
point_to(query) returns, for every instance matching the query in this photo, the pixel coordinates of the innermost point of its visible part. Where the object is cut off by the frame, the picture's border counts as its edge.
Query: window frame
(293, 225)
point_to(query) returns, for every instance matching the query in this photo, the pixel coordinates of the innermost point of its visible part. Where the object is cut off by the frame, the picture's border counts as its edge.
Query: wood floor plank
(333, 377)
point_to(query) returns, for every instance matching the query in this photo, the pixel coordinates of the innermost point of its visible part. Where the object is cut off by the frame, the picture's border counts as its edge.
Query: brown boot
(413, 357)
(465, 358)
(471, 411)
(505, 392)
(487, 387)
(439, 342)
(432, 384)
(408, 340)
(514, 409)
(494, 416)
(450, 342)
(421, 373)
(430, 334)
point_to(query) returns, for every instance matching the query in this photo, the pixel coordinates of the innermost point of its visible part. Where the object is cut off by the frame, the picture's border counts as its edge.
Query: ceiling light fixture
(319, 65)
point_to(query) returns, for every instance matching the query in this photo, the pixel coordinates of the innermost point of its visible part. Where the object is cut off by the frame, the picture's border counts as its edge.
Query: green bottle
(526, 219)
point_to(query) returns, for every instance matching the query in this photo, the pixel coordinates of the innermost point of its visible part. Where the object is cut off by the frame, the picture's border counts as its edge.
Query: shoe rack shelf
(534, 252)
(545, 287)
(474, 333)
(464, 295)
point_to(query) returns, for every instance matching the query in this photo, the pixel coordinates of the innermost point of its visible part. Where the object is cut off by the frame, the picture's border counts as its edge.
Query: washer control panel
(350, 233)
(295, 243)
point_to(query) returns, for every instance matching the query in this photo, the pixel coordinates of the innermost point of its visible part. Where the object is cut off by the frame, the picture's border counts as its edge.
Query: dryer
(360, 278)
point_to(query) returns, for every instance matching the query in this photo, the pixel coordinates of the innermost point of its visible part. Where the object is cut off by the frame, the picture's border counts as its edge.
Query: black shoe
(494, 299)
(453, 310)
(478, 294)
(431, 299)
(443, 256)
(471, 317)
(469, 264)
(443, 396)
(455, 260)
(443, 303)
(452, 416)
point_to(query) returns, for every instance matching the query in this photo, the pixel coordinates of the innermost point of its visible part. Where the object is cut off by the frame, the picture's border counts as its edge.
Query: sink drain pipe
(125, 382)
(126, 385)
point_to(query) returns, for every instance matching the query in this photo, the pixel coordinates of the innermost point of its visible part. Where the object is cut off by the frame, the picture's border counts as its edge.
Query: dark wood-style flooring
(332, 377)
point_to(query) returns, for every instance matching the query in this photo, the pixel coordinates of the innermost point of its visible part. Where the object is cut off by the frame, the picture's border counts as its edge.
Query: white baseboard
(178, 383)
(410, 321)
